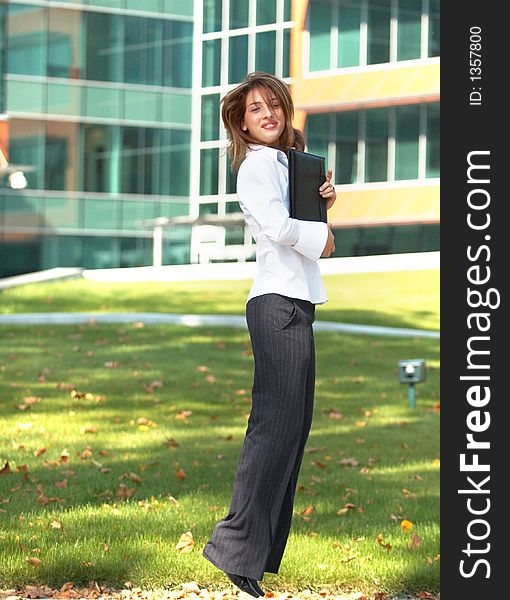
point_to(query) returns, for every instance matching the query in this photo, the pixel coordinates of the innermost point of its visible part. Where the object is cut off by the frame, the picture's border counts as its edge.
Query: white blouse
(287, 249)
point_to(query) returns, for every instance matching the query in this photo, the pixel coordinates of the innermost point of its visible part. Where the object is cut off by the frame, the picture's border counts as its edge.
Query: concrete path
(413, 261)
(196, 321)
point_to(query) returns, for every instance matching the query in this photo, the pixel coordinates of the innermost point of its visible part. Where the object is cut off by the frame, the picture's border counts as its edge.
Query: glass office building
(111, 108)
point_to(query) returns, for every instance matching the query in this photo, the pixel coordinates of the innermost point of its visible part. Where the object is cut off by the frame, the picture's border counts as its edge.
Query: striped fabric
(251, 539)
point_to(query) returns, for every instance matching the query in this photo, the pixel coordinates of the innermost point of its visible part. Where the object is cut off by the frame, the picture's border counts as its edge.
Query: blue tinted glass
(379, 13)
(265, 52)
(26, 39)
(237, 58)
(105, 48)
(211, 65)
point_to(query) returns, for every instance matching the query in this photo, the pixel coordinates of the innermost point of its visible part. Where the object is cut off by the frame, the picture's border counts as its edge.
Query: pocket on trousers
(285, 314)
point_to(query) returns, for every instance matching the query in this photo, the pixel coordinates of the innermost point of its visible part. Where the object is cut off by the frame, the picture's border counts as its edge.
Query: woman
(280, 310)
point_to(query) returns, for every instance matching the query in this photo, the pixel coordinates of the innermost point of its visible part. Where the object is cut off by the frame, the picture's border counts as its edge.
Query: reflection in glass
(210, 117)
(320, 34)
(266, 11)
(212, 15)
(177, 53)
(64, 44)
(265, 50)
(238, 14)
(211, 54)
(237, 58)
(406, 141)
(349, 17)
(104, 47)
(286, 53)
(209, 171)
(433, 146)
(60, 159)
(101, 154)
(409, 29)
(26, 147)
(27, 39)
(379, 13)
(346, 147)
(434, 31)
(376, 145)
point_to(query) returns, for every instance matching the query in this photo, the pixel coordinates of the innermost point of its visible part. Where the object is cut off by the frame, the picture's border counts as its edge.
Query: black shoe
(244, 584)
(256, 586)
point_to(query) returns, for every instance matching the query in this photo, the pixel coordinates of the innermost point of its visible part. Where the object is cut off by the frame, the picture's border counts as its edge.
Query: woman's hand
(330, 243)
(327, 190)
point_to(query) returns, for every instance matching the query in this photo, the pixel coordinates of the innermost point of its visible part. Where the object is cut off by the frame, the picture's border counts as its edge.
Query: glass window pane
(180, 163)
(266, 11)
(61, 168)
(349, 17)
(287, 10)
(100, 214)
(64, 99)
(211, 56)
(135, 50)
(64, 43)
(26, 96)
(210, 117)
(101, 159)
(142, 106)
(172, 151)
(100, 252)
(237, 58)
(379, 13)
(26, 39)
(320, 34)
(132, 160)
(209, 171)
(148, 5)
(105, 48)
(406, 141)
(231, 187)
(212, 15)
(103, 102)
(265, 51)
(434, 32)
(62, 213)
(238, 14)
(177, 108)
(409, 29)
(286, 53)
(26, 147)
(347, 133)
(376, 145)
(178, 7)
(177, 54)
(318, 134)
(433, 146)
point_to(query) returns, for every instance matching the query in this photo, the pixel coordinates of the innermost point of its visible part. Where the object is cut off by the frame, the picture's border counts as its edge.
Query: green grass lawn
(405, 299)
(101, 486)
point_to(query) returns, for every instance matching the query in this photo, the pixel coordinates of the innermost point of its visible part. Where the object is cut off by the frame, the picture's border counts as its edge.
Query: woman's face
(264, 121)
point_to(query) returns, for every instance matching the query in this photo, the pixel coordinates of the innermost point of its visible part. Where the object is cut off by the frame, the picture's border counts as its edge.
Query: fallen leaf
(39, 451)
(349, 462)
(6, 469)
(33, 560)
(181, 474)
(406, 525)
(382, 543)
(415, 541)
(185, 543)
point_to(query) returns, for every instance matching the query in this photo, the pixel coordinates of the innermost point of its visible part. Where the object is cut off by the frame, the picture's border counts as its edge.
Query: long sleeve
(260, 197)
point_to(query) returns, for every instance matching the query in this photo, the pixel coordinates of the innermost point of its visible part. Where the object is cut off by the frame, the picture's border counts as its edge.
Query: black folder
(306, 175)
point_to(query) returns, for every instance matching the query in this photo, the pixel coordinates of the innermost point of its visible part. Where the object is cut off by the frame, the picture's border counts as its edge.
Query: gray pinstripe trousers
(251, 539)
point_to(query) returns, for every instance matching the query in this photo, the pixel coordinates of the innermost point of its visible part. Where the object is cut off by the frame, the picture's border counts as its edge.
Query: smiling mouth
(269, 126)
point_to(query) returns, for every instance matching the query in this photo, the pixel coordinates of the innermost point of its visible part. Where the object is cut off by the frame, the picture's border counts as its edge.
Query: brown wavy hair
(234, 107)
